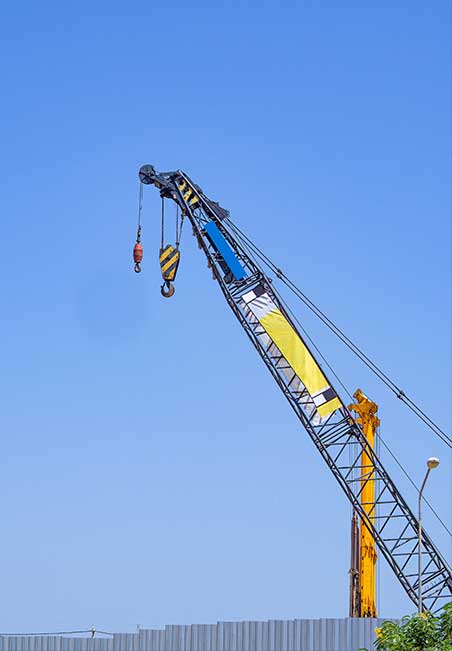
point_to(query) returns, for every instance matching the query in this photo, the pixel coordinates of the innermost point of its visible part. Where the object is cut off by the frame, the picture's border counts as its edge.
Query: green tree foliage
(417, 633)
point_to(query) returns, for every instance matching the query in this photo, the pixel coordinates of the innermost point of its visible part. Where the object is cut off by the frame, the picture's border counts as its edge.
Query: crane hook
(167, 289)
(138, 252)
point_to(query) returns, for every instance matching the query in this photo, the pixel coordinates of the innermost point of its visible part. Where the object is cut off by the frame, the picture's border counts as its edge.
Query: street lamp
(432, 462)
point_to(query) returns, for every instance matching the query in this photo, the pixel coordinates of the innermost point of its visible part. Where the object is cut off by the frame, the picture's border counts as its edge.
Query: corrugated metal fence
(273, 635)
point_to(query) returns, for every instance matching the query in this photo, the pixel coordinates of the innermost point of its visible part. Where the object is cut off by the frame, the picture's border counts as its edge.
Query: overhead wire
(343, 337)
(248, 245)
(179, 227)
(55, 633)
(140, 204)
(424, 499)
(163, 224)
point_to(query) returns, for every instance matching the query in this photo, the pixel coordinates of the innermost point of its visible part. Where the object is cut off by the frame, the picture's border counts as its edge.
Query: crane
(344, 442)
(364, 556)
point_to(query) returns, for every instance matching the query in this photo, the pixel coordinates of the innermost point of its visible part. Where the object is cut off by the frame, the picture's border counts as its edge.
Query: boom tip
(147, 174)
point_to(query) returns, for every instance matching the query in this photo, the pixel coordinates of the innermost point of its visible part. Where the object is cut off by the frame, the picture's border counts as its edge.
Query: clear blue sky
(138, 482)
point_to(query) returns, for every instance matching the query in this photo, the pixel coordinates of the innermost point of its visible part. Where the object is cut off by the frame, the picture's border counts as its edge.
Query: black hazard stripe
(169, 265)
(170, 273)
(187, 192)
(324, 396)
(165, 253)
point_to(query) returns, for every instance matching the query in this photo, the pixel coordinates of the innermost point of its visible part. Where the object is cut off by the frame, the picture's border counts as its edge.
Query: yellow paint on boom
(298, 356)
(329, 407)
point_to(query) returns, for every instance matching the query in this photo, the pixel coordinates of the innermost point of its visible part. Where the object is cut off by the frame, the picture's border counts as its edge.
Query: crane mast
(341, 440)
(364, 555)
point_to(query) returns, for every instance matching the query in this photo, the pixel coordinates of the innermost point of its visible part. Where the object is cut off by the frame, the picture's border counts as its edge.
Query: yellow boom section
(366, 410)
(323, 398)
(299, 357)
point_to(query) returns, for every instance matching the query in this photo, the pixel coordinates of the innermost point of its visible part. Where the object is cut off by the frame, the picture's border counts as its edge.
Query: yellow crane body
(366, 417)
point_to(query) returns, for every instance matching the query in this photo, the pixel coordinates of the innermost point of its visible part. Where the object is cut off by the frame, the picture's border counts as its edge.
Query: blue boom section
(217, 239)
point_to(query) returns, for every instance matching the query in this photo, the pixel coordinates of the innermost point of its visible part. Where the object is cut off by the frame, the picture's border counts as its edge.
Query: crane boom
(330, 425)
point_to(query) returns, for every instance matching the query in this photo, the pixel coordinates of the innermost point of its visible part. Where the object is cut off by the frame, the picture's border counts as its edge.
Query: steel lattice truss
(338, 438)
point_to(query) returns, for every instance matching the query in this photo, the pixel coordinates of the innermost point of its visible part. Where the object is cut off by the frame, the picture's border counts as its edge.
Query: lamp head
(433, 462)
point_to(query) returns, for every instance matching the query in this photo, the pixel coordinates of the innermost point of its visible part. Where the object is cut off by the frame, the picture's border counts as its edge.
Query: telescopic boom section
(338, 437)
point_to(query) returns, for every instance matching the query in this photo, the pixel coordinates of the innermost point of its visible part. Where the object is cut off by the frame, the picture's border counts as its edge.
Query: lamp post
(432, 462)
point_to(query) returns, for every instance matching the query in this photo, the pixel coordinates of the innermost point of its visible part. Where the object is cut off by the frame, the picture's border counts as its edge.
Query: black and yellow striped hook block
(169, 262)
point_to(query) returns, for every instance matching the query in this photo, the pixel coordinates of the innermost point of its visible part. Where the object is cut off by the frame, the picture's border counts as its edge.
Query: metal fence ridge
(272, 635)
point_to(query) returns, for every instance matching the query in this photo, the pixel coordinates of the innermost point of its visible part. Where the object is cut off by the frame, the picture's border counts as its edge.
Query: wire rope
(55, 633)
(140, 204)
